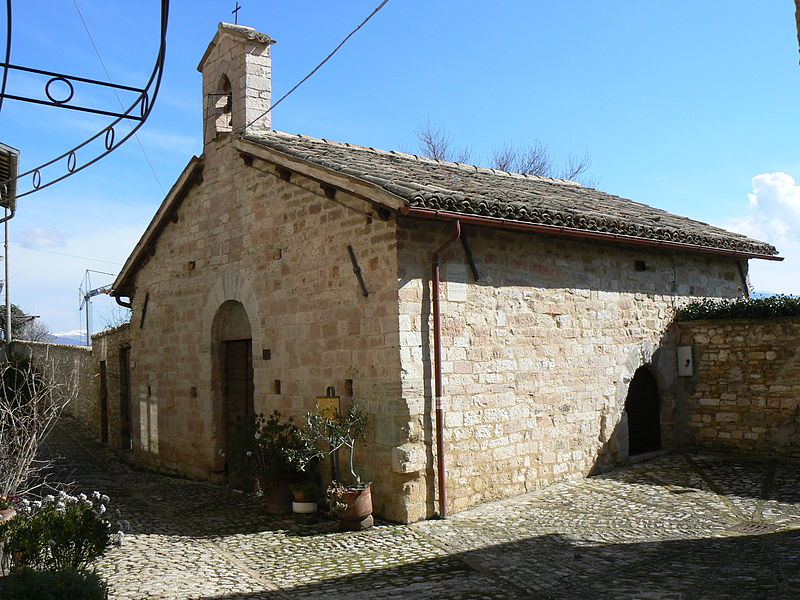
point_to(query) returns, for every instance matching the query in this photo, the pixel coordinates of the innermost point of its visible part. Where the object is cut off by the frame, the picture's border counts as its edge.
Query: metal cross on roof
(235, 13)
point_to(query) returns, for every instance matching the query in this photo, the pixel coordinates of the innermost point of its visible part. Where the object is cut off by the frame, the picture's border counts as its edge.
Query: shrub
(31, 399)
(64, 532)
(263, 446)
(66, 584)
(740, 308)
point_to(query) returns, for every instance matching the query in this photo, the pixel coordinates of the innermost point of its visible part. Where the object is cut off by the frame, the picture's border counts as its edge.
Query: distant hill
(762, 294)
(76, 337)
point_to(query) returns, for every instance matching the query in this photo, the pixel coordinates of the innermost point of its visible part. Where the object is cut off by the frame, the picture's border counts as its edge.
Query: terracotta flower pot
(303, 496)
(359, 504)
(6, 514)
(277, 493)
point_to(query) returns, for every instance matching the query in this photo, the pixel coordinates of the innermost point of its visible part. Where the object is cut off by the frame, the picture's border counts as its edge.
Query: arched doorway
(234, 345)
(644, 413)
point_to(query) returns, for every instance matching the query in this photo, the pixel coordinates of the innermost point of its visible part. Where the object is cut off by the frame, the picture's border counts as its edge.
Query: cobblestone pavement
(678, 527)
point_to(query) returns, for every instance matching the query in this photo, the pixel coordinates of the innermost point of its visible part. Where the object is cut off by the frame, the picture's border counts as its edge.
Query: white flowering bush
(59, 532)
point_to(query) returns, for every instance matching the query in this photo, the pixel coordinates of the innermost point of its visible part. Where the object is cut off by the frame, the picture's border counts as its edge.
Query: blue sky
(690, 106)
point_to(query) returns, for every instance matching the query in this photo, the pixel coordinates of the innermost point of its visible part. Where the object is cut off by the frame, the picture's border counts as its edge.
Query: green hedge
(740, 308)
(69, 584)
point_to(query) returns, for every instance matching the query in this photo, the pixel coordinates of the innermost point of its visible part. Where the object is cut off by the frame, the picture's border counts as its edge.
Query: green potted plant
(352, 501)
(255, 459)
(303, 455)
(268, 455)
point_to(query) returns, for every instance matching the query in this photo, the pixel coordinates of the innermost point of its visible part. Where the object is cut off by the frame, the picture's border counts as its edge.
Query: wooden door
(103, 403)
(125, 398)
(644, 413)
(238, 381)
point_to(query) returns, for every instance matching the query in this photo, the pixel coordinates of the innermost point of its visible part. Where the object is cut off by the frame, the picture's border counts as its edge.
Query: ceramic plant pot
(6, 514)
(304, 508)
(359, 504)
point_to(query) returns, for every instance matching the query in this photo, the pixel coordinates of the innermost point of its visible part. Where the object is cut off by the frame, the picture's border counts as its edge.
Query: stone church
(503, 331)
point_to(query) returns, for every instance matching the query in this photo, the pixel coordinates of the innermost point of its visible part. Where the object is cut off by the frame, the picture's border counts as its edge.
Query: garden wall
(72, 367)
(745, 391)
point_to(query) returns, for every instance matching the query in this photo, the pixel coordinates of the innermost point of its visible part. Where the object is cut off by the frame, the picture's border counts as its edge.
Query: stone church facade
(553, 299)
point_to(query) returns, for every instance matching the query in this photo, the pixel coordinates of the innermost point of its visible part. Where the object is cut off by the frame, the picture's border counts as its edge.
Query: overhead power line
(18, 245)
(108, 76)
(317, 68)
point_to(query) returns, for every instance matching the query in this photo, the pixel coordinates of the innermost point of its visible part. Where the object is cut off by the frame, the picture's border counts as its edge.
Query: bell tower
(237, 86)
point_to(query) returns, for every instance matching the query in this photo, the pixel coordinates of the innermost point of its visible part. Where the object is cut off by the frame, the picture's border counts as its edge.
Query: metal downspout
(123, 303)
(437, 359)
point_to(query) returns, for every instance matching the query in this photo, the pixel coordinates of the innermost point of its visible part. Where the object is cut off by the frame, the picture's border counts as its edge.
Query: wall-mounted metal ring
(37, 179)
(110, 134)
(49, 95)
(72, 162)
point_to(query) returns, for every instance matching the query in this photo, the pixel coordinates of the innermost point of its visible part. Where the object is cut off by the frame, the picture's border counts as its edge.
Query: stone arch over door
(230, 316)
(233, 369)
(643, 409)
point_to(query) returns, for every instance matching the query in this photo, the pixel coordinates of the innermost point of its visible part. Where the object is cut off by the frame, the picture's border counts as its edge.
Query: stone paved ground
(677, 527)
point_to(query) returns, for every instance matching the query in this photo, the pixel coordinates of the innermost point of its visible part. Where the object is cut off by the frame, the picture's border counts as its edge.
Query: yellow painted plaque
(328, 406)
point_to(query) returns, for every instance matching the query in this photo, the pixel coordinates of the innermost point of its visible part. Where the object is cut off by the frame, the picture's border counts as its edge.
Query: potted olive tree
(303, 455)
(351, 501)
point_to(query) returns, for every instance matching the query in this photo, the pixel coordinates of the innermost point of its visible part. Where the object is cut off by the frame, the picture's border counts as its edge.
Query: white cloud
(46, 282)
(773, 216)
(41, 237)
(71, 333)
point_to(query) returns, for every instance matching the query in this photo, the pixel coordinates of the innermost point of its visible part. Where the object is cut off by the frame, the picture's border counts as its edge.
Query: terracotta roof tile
(470, 190)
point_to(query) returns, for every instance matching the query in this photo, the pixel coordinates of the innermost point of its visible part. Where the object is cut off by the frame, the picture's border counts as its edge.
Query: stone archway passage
(644, 413)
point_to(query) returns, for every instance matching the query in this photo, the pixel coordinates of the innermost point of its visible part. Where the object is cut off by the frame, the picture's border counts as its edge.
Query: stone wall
(107, 361)
(745, 391)
(279, 249)
(73, 369)
(537, 354)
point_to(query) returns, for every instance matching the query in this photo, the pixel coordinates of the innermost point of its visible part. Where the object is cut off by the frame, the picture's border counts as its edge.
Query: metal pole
(8, 286)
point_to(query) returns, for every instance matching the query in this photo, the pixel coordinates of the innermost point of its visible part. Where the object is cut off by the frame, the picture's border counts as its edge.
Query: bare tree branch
(534, 159)
(435, 143)
(575, 166)
(503, 158)
(531, 160)
(116, 317)
(31, 400)
(36, 331)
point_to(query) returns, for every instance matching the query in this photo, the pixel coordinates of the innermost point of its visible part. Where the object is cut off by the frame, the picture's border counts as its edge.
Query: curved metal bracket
(138, 111)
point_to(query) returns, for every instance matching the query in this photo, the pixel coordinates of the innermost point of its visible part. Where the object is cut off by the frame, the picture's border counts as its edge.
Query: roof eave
(347, 183)
(190, 176)
(439, 215)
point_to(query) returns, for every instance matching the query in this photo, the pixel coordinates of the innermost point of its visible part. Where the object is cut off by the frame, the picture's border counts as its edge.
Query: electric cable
(108, 76)
(18, 245)
(315, 69)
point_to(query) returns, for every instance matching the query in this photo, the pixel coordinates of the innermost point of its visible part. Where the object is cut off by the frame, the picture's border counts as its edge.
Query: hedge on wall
(740, 308)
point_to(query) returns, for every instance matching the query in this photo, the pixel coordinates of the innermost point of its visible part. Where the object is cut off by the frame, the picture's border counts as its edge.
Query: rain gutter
(439, 215)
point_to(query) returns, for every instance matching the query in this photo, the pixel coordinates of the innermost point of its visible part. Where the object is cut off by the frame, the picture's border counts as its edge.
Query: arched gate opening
(643, 407)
